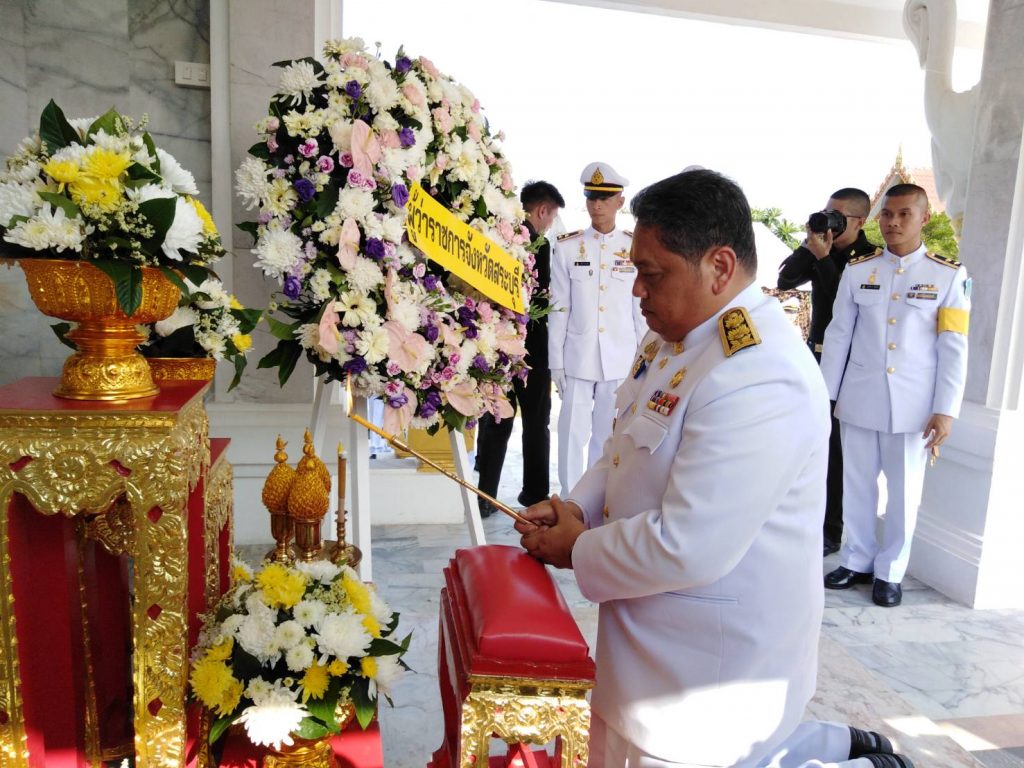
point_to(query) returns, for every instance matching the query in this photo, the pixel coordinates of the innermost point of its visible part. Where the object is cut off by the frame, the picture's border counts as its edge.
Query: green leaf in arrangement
(139, 172)
(196, 273)
(60, 330)
(240, 363)
(175, 278)
(58, 200)
(219, 727)
(159, 212)
(107, 122)
(151, 148)
(311, 728)
(365, 706)
(250, 228)
(281, 330)
(127, 280)
(326, 201)
(285, 355)
(260, 150)
(54, 129)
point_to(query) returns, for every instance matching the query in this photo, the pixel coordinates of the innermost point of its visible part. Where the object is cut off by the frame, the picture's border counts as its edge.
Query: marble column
(970, 527)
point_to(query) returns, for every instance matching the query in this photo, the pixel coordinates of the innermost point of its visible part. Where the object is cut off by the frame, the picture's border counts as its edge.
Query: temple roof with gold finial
(900, 174)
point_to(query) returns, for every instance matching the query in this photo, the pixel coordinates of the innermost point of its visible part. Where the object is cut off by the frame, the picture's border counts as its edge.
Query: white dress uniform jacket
(891, 318)
(704, 542)
(592, 278)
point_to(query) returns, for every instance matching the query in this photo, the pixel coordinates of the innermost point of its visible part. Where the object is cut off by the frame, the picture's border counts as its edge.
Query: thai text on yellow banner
(464, 251)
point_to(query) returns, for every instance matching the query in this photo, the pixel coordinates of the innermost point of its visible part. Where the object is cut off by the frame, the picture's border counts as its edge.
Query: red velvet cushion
(515, 609)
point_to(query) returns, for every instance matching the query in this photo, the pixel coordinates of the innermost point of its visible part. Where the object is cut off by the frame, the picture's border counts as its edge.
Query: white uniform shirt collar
(748, 298)
(601, 235)
(905, 261)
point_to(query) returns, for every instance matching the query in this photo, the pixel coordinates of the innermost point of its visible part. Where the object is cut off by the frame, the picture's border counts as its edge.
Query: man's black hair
(694, 211)
(853, 195)
(904, 190)
(535, 193)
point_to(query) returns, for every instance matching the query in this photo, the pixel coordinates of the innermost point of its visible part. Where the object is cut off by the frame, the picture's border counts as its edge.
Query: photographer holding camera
(835, 236)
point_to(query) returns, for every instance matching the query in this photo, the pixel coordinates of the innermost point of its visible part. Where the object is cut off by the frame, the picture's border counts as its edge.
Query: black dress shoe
(486, 508)
(889, 761)
(527, 501)
(868, 743)
(844, 578)
(887, 594)
(829, 547)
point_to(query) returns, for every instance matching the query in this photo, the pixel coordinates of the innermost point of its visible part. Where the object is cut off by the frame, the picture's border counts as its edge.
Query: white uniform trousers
(814, 744)
(588, 408)
(901, 457)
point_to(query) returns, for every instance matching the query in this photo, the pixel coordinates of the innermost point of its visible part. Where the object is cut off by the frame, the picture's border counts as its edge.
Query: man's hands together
(552, 530)
(819, 243)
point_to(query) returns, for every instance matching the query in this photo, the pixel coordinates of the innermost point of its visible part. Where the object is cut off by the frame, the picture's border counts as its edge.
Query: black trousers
(533, 400)
(833, 527)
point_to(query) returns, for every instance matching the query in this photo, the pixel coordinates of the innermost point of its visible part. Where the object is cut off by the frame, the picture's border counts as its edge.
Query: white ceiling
(864, 19)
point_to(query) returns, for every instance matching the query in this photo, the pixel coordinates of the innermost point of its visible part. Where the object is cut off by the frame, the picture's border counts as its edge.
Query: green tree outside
(937, 235)
(784, 229)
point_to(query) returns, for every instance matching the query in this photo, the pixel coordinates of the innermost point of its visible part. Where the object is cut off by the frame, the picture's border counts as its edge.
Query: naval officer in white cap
(596, 325)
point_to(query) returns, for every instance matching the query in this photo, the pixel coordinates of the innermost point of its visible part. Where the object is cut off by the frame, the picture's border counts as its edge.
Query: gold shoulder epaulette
(865, 257)
(567, 235)
(945, 260)
(737, 331)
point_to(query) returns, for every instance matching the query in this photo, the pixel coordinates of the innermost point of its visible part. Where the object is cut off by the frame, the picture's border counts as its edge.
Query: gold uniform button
(895, 297)
(892, 321)
(600, 309)
(892, 345)
(604, 287)
(662, 363)
(633, 409)
(600, 330)
(900, 271)
(615, 460)
(890, 369)
(604, 266)
(603, 245)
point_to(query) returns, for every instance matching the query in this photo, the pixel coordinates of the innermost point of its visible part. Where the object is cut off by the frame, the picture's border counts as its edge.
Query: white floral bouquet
(99, 190)
(209, 322)
(342, 144)
(289, 649)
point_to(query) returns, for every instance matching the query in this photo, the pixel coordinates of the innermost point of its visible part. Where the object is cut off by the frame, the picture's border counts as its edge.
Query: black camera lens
(823, 221)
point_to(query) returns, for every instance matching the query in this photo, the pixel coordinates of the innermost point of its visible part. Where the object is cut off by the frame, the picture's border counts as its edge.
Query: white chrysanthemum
(251, 182)
(343, 635)
(213, 288)
(24, 173)
(345, 45)
(382, 93)
(299, 658)
(256, 606)
(186, 231)
(394, 228)
(365, 275)
(298, 81)
(214, 344)
(115, 143)
(258, 689)
(388, 670)
(320, 285)
(309, 612)
(372, 344)
(174, 176)
(355, 307)
(81, 124)
(288, 634)
(271, 719)
(308, 335)
(354, 204)
(181, 317)
(497, 203)
(467, 352)
(16, 200)
(72, 153)
(256, 636)
(406, 313)
(381, 611)
(50, 229)
(149, 192)
(341, 135)
(323, 571)
(278, 252)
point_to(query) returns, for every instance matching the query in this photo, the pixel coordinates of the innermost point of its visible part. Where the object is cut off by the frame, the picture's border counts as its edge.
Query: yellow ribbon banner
(464, 251)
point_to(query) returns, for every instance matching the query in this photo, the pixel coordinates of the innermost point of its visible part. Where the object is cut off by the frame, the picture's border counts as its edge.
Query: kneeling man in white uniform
(699, 529)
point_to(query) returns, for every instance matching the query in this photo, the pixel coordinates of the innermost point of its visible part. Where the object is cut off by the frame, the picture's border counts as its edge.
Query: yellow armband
(953, 319)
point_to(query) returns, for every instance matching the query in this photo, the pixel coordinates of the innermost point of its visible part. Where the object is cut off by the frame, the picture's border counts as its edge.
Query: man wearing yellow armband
(895, 359)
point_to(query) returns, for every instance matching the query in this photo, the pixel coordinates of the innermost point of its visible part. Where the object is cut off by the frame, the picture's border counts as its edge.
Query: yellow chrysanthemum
(314, 682)
(204, 215)
(221, 651)
(242, 341)
(236, 304)
(281, 587)
(372, 625)
(215, 686)
(337, 668)
(62, 171)
(358, 594)
(369, 666)
(105, 164)
(240, 575)
(104, 194)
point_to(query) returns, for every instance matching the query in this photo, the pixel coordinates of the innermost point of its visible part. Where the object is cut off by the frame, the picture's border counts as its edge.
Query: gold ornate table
(84, 487)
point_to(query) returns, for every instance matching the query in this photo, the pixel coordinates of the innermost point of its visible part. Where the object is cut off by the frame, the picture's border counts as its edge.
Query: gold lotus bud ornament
(308, 501)
(276, 489)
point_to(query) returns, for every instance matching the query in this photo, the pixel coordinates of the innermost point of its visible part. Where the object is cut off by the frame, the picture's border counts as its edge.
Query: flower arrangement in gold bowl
(292, 651)
(105, 226)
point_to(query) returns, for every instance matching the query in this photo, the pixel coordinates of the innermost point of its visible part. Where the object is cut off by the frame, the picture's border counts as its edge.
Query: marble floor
(944, 681)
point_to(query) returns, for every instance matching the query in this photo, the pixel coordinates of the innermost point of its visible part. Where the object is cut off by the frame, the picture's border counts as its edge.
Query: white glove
(558, 376)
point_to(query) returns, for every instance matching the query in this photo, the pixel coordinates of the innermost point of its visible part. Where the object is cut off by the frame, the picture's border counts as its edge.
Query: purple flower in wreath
(431, 333)
(466, 316)
(355, 366)
(481, 364)
(430, 282)
(407, 137)
(400, 195)
(305, 189)
(430, 405)
(398, 400)
(402, 65)
(374, 248)
(292, 287)
(353, 89)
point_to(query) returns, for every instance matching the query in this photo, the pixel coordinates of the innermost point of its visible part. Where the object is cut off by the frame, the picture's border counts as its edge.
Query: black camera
(823, 221)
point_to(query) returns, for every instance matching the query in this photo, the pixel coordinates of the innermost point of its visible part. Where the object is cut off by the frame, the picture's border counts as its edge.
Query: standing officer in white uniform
(901, 319)
(592, 339)
(699, 530)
